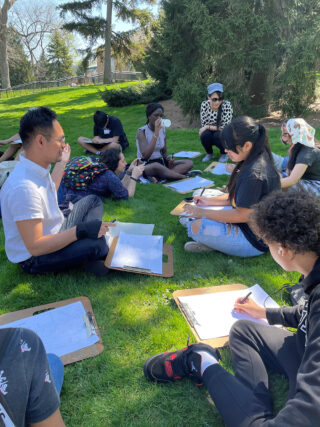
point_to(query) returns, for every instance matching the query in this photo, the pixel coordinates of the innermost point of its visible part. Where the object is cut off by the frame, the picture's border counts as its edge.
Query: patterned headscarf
(300, 131)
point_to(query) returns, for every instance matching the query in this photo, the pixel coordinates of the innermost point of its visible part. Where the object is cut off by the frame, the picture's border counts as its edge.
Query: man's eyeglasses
(61, 139)
(215, 99)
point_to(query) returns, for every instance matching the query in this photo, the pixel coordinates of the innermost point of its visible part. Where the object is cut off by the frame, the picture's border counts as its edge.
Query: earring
(280, 250)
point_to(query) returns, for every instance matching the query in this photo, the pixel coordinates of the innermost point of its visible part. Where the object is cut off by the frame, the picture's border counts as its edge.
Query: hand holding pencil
(247, 305)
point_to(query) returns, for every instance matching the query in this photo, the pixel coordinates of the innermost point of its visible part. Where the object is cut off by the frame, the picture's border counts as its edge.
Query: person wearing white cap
(303, 167)
(215, 114)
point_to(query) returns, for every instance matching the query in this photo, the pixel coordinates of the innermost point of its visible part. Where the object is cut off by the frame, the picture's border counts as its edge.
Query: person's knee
(97, 248)
(206, 136)
(189, 164)
(195, 226)
(93, 201)
(238, 330)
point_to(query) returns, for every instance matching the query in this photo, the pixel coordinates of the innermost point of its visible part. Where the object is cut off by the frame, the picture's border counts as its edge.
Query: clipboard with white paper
(129, 228)
(138, 252)
(189, 184)
(187, 154)
(62, 327)
(143, 254)
(213, 315)
(220, 169)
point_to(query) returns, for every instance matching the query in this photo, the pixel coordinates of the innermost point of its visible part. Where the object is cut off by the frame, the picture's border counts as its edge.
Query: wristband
(134, 179)
(88, 229)
(98, 153)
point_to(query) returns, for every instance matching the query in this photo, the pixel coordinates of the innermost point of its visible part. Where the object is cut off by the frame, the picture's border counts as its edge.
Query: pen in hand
(200, 195)
(244, 299)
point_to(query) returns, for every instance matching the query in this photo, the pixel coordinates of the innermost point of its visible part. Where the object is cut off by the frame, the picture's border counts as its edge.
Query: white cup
(165, 123)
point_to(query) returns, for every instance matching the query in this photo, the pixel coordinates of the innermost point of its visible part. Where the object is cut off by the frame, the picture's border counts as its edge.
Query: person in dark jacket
(289, 223)
(107, 133)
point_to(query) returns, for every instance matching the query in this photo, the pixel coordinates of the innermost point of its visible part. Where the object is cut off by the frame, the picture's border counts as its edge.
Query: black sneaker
(169, 367)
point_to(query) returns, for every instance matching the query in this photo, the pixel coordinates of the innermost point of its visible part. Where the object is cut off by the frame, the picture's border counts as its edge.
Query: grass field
(136, 314)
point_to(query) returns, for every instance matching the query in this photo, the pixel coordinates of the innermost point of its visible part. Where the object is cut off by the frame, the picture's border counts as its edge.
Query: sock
(207, 360)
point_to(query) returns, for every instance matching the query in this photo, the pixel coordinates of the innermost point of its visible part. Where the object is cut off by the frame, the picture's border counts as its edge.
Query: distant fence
(96, 79)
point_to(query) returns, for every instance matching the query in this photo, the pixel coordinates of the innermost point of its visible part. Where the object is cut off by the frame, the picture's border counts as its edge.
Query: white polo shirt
(28, 193)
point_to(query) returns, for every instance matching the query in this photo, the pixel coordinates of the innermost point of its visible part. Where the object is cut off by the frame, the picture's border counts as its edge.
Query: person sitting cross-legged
(107, 133)
(37, 236)
(289, 222)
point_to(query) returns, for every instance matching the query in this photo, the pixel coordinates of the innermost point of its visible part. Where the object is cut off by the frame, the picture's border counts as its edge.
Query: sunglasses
(215, 99)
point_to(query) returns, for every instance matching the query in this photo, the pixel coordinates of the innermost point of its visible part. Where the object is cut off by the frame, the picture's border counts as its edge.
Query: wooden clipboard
(178, 210)
(185, 192)
(213, 342)
(76, 356)
(167, 266)
(211, 166)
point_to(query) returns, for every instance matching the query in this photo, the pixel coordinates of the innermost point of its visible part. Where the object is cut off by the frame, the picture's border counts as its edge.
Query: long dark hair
(110, 158)
(236, 134)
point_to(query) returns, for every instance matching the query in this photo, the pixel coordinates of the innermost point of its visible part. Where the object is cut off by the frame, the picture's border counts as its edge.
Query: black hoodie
(304, 407)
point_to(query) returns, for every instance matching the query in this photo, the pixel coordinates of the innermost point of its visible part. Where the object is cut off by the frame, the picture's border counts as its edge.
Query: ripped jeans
(222, 237)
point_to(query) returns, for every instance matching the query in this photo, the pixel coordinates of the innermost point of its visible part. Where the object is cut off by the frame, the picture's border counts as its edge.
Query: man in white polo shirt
(36, 233)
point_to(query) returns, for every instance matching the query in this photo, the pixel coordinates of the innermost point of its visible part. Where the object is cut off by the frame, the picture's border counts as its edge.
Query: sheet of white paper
(213, 313)
(187, 154)
(208, 192)
(190, 184)
(17, 141)
(220, 169)
(140, 251)
(209, 208)
(62, 330)
(129, 228)
(144, 180)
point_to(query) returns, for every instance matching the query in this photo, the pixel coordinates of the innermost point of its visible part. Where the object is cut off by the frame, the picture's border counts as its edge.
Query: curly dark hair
(110, 158)
(291, 218)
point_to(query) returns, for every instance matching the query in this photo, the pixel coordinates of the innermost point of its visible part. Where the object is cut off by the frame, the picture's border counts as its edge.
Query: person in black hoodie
(289, 223)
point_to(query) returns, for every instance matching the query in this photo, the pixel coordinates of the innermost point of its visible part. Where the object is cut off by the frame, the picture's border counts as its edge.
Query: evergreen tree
(59, 59)
(95, 28)
(264, 51)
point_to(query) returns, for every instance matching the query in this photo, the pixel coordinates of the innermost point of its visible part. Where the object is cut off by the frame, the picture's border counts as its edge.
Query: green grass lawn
(135, 313)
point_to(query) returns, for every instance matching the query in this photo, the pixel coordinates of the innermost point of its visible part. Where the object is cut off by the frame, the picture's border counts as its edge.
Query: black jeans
(244, 399)
(77, 253)
(209, 138)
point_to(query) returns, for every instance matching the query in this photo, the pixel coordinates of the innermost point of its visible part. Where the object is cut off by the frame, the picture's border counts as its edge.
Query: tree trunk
(107, 75)
(5, 76)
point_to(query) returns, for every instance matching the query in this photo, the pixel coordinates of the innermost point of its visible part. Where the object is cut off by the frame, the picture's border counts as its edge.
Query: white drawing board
(220, 169)
(187, 185)
(187, 154)
(62, 330)
(138, 251)
(212, 315)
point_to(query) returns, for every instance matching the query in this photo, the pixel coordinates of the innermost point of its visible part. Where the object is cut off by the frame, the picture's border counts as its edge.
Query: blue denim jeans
(77, 253)
(280, 162)
(226, 238)
(57, 370)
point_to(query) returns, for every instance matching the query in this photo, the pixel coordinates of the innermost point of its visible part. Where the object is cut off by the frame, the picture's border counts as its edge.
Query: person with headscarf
(152, 148)
(303, 168)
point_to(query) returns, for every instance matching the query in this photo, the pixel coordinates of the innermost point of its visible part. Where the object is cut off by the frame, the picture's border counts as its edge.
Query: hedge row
(142, 93)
